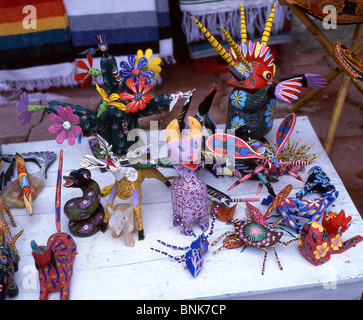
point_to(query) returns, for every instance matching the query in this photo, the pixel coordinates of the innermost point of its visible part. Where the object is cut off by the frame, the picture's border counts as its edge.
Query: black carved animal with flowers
(85, 213)
(252, 102)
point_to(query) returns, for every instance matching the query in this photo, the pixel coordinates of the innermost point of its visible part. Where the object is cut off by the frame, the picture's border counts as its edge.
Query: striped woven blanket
(226, 13)
(127, 25)
(34, 33)
(40, 39)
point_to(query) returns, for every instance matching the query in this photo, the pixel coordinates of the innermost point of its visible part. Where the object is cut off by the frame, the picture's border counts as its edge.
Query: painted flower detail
(270, 113)
(243, 70)
(254, 232)
(23, 113)
(134, 70)
(107, 101)
(317, 225)
(238, 99)
(152, 64)
(86, 76)
(65, 121)
(321, 250)
(237, 122)
(336, 242)
(139, 98)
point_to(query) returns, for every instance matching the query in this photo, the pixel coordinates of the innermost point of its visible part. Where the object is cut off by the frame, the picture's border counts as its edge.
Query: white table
(105, 269)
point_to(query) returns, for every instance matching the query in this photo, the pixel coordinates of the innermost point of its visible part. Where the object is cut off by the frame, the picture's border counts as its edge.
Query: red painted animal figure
(316, 245)
(54, 263)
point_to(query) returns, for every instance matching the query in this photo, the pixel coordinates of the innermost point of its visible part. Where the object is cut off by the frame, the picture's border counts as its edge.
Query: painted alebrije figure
(128, 180)
(193, 258)
(316, 245)
(254, 230)
(188, 193)
(54, 261)
(9, 256)
(266, 160)
(85, 213)
(294, 208)
(252, 103)
(124, 100)
(312, 209)
(24, 182)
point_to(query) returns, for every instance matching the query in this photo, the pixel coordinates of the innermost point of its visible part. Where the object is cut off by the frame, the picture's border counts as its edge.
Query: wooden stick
(342, 93)
(323, 40)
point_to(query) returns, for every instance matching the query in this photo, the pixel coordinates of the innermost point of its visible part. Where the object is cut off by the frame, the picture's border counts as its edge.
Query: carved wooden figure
(122, 222)
(9, 256)
(188, 193)
(128, 181)
(54, 261)
(252, 102)
(85, 213)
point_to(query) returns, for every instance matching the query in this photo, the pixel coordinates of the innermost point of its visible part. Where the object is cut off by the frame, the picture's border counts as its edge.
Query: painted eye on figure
(267, 75)
(86, 175)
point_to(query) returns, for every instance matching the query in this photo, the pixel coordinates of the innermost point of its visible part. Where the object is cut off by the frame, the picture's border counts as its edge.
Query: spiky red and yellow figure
(252, 102)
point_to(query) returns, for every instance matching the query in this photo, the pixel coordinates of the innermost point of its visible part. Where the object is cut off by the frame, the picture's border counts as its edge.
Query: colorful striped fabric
(45, 56)
(127, 25)
(23, 46)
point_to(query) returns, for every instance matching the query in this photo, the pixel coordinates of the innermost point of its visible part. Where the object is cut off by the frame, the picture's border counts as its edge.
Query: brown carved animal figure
(128, 181)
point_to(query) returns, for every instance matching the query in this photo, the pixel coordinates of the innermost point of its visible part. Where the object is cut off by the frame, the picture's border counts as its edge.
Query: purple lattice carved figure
(188, 193)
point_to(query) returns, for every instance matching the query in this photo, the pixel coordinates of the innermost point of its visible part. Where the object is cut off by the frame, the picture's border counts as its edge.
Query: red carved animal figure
(54, 263)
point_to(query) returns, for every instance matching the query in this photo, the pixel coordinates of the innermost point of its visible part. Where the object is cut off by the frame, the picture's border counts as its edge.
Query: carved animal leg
(277, 258)
(286, 243)
(290, 222)
(264, 261)
(186, 229)
(219, 249)
(172, 246)
(220, 237)
(176, 220)
(64, 292)
(204, 223)
(138, 213)
(140, 227)
(179, 259)
(44, 293)
(274, 225)
(111, 199)
(13, 289)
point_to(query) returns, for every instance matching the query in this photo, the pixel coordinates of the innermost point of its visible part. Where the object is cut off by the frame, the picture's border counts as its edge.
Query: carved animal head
(251, 64)
(77, 178)
(336, 223)
(42, 255)
(185, 148)
(109, 162)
